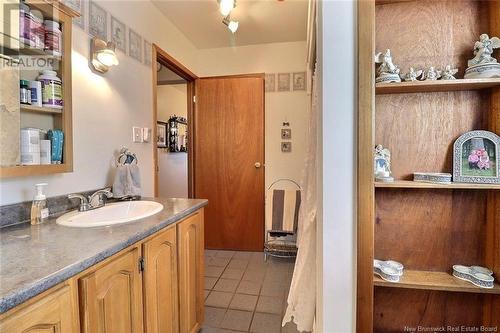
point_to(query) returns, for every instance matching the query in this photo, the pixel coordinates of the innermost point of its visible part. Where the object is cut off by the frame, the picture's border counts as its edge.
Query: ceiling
(261, 21)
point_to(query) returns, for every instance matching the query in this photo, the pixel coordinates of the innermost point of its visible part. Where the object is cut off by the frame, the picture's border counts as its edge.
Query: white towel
(127, 181)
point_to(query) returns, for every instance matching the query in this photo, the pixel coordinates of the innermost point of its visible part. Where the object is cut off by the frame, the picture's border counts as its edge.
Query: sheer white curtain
(302, 296)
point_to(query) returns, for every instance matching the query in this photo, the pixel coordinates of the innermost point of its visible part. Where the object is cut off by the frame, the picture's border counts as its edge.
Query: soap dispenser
(39, 210)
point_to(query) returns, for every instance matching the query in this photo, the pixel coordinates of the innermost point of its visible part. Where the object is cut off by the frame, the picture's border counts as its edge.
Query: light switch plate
(137, 134)
(146, 134)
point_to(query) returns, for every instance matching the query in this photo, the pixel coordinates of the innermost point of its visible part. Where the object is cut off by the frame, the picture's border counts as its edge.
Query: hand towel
(127, 181)
(283, 211)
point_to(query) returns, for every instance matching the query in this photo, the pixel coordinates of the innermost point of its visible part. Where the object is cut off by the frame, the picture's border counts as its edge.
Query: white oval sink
(113, 213)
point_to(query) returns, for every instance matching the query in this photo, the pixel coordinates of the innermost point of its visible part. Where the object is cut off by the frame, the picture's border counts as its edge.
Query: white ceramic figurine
(382, 164)
(449, 73)
(387, 71)
(412, 75)
(484, 65)
(431, 74)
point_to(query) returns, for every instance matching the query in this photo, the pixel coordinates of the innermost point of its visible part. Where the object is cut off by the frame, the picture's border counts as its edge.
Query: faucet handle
(98, 199)
(84, 203)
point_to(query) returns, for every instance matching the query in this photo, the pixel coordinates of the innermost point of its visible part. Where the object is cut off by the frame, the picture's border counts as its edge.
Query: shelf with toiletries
(42, 71)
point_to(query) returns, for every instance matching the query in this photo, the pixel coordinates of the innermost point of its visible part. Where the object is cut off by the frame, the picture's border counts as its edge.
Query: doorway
(173, 91)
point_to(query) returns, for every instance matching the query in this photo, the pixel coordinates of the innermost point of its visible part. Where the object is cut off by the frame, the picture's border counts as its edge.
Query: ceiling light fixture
(231, 25)
(103, 55)
(226, 6)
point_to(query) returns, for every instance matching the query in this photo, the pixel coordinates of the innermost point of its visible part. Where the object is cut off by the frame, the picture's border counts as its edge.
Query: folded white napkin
(127, 181)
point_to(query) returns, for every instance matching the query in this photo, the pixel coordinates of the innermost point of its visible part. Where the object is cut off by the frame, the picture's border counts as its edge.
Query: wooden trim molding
(159, 55)
(366, 132)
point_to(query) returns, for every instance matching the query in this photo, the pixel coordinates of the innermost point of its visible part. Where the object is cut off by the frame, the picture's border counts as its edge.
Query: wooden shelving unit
(440, 281)
(452, 186)
(436, 86)
(425, 226)
(38, 109)
(52, 118)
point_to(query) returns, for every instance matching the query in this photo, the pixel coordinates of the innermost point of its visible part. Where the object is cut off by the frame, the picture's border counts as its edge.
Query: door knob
(257, 165)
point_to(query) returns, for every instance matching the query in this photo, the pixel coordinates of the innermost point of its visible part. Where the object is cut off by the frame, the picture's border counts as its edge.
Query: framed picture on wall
(98, 21)
(299, 81)
(284, 82)
(118, 34)
(161, 134)
(134, 45)
(270, 83)
(148, 49)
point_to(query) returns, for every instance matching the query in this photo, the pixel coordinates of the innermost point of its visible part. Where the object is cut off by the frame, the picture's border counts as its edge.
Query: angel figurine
(483, 49)
(449, 73)
(387, 71)
(484, 65)
(431, 74)
(382, 164)
(412, 75)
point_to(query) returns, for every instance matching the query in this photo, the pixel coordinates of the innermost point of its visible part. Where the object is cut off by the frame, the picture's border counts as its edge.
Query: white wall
(105, 107)
(173, 169)
(279, 107)
(337, 228)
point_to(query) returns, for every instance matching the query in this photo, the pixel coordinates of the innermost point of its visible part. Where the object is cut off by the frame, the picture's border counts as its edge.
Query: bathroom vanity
(143, 276)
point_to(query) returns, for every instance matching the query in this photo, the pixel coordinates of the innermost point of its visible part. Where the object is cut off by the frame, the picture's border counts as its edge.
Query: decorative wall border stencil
(299, 81)
(270, 83)
(475, 158)
(286, 147)
(134, 45)
(98, 21)
(286, 134)
(148, 49)
(119, 34)
(284, 81)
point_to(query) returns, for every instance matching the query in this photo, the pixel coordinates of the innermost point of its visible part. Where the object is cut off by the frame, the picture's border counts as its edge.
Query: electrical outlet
(137, 134)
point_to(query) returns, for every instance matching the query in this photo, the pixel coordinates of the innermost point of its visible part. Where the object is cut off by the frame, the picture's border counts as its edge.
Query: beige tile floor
(243, 293)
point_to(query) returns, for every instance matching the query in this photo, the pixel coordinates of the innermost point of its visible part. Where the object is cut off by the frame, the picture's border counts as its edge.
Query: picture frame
(283, 81)
(161, 134)
(299, 81)
(134, 45)
(119, 34)
(79, 6)
(148, 50)
(270, 83)
(98, 21)
(286, 147)
(286, 133)
(476, 158)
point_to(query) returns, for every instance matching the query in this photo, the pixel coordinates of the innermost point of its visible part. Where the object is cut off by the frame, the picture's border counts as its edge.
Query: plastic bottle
(39, 210)
(51, 89)
(53, 37)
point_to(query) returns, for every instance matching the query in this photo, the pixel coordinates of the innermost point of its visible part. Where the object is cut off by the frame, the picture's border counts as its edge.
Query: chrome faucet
(96, 200)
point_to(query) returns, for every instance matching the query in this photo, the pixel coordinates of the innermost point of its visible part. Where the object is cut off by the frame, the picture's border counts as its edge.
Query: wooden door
(111, 297)
(53, 313)
(229, 160)
(191, 272)
(160, 283)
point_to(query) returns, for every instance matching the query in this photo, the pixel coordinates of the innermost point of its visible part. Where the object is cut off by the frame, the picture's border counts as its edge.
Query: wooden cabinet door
(111, 297)
(160, 283)
(53, 313)
(191, 257)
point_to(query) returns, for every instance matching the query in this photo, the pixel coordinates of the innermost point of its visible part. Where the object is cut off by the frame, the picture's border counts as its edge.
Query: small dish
(388, 270)
(477, 275)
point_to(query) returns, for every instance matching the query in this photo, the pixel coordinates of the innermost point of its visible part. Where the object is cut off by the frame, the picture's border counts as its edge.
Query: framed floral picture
(161, 134)
(134, 45)
(98, 21)
(475, 158)
(118, 34)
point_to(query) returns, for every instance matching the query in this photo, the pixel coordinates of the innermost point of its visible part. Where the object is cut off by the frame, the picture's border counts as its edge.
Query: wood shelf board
(436, 86)
(441, 281)
(33, 170)
(413, 184)
(24, 50)
(388, 2)
(38, 109)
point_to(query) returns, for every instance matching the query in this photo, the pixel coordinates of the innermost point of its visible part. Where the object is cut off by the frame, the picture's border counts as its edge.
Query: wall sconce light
(231, 25)
(102, 55)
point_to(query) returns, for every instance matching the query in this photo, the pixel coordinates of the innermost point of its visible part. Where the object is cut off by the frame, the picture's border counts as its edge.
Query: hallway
(243, 293)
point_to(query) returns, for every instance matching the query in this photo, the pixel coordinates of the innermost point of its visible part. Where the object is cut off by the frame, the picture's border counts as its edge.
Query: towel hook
(128, 155)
